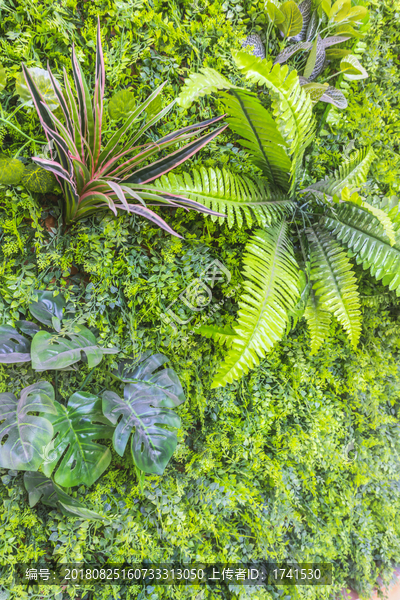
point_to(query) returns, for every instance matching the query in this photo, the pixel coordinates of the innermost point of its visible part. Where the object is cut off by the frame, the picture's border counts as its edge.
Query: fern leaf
(271, 289)
(291, 105)
(335, 282)
(201, 84)
(237, 196)
(352, 173)
(318, 321)
(222, 335)
(378, 213)
(364, 235)
(249, 119)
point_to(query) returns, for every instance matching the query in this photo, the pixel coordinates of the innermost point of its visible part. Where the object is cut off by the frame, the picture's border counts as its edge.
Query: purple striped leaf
(60, 97)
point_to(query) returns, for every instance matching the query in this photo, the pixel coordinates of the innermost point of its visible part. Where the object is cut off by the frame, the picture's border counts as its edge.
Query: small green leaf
(11, 170)
(121, 105)
(3, 78)
(36, 179)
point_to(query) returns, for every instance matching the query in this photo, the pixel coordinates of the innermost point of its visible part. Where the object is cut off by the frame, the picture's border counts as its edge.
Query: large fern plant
(300, 262)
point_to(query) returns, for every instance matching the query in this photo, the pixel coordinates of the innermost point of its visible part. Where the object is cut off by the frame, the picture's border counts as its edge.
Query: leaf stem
(87, 379)
(21, 132)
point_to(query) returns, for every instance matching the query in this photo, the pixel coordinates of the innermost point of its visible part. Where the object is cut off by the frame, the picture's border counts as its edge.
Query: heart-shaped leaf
(293, 23)
(11, 170)
(27, 433)
(76, 427)
(146, 408)
(38, 180)
(121, 105)
(40, 487)
(56, 351)
(3, 78)
(352, 68)
(14, 348)
(43, 83)
(47, 306)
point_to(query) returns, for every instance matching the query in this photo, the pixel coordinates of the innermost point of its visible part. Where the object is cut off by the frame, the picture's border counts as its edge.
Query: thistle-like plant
(117, 174)
(300, 262)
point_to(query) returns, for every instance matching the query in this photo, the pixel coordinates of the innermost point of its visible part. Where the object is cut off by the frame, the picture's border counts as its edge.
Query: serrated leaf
(293, 23)
(121, 105)
(38, 180)
(14, 348)
(222, 335)
(201, 84)
(76, 427)
(352, 68)
(47, 306)
(26, 434)
(11, 170)
(146, 407)
(318, 321)
(42, 81)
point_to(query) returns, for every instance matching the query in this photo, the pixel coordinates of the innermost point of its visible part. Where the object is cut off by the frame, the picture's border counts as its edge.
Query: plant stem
(87, 379)
(21, 132)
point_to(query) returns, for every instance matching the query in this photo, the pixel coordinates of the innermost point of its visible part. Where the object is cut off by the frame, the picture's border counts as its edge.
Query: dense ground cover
(298, 460)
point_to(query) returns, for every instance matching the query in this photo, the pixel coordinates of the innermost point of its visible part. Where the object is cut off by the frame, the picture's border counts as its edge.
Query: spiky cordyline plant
(299, 263)
(96, 176)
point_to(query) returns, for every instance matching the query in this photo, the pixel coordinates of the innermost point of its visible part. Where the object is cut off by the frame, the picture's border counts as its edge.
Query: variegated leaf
(305, 9)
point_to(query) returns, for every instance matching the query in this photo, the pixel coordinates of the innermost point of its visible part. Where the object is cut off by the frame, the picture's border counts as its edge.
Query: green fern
(291, 105)
(201, 84)
(378, 213)
(222, 335)
(228, 193)
(362, 233)
(318, 321)
(271, 289)
(335, 282)
(352, 173)
(260, 135)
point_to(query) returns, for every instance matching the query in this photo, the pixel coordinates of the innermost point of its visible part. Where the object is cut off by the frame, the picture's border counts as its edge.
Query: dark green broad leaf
(47, 306)
(11, 170)
(41, 77)
(27, 434)
(58, 351)
(121, 105)
(77, 426)
(145, 411)
(36, 179)
(40, 487)
(14, 347)
(28, 327)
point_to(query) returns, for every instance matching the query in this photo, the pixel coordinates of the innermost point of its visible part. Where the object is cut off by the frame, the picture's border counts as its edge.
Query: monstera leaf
(145, 408)
(36, 179)
(14, 348)
(121, 105)
(47, 307)
(27, 434)
(11, 170)
(59, 351)
(76, 427)
(40, 487)
(42, 81)
(28, 328)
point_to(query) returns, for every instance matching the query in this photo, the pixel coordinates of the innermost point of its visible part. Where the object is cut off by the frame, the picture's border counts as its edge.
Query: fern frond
(201, 84)
(352, 173)
(318, 322)
(335, 282)
(390, 206)
(378, 213)
(249, 119)
(228, 193)
(271, 289)
(377, 301)
(222, 335)
(362, 233)
(291, 105)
